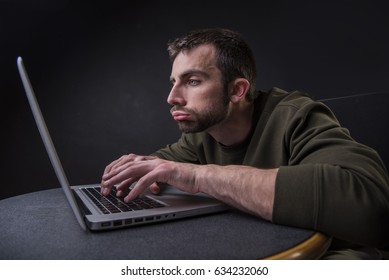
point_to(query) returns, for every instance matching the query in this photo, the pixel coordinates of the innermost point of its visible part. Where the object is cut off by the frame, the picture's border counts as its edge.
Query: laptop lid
(48, 142)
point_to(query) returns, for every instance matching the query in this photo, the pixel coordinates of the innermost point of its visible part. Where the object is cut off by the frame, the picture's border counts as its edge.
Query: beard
(213, 114)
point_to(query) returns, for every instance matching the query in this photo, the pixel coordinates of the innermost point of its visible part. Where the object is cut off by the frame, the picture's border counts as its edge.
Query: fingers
(154, 188)
(123, 160)
(124, 171)
(106, 188)
(147, 181)
(123, 188)
(146, 171)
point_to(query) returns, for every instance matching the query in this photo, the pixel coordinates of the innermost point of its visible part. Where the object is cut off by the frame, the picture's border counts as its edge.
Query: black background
(101, 72)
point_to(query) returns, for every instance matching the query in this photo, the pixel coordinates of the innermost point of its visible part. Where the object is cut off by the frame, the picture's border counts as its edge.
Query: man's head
(213, 71)
(234, 57)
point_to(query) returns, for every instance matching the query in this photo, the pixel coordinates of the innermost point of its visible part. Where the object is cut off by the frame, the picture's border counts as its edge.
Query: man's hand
(147, 171)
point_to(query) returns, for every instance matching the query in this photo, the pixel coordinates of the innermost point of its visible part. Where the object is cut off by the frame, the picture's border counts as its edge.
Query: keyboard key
(113, 204)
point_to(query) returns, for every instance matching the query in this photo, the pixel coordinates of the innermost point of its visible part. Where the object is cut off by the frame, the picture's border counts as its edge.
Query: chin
(185, 128)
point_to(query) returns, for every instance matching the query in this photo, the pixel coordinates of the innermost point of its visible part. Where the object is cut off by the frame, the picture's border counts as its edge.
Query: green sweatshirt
(326, 182)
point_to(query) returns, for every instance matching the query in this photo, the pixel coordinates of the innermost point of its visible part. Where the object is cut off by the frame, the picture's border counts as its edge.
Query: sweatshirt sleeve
(332, 183)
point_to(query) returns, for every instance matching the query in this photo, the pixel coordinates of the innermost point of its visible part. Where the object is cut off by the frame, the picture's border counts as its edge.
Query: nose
(176, 97)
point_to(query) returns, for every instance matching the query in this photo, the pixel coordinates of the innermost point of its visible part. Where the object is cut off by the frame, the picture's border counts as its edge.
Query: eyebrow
(191, 72)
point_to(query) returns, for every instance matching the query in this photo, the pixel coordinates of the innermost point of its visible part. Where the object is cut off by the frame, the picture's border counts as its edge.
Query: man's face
(197, 96)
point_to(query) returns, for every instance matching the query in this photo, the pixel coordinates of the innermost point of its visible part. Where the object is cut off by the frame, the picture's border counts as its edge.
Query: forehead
(202, 58)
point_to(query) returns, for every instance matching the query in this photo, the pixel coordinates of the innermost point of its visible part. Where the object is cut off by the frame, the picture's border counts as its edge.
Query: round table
(41, 225)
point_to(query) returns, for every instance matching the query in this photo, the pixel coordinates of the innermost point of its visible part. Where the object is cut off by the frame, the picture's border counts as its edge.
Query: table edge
(312, 248)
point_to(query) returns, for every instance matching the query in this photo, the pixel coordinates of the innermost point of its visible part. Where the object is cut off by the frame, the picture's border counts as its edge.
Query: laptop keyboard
(112, 204)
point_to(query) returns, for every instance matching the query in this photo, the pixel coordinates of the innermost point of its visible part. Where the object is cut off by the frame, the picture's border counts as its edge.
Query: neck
(236, 127)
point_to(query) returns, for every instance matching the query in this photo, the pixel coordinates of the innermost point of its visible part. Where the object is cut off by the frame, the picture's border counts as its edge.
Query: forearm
(247, 188)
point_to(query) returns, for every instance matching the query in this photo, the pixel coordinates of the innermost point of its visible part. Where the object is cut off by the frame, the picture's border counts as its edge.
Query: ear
(238, 89)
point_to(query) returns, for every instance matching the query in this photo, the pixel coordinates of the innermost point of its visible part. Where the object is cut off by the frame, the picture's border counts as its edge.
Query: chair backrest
(367, 118)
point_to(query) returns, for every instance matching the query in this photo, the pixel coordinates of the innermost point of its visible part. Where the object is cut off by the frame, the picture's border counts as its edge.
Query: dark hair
(233, 55)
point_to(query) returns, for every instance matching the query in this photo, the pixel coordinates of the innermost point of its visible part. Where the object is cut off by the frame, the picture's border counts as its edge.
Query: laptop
(96, 212)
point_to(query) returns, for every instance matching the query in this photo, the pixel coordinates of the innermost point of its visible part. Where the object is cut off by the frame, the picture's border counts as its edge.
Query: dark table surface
(41, 225)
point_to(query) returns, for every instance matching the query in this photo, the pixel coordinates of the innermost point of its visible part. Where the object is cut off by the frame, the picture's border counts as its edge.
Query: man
(277, 155)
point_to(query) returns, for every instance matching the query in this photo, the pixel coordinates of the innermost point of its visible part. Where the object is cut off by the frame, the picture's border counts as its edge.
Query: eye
(192, 82)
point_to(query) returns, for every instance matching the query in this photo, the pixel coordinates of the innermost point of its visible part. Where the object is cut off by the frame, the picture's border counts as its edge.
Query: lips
(180, 116)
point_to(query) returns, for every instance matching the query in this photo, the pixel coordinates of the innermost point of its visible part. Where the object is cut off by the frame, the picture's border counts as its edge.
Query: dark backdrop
(101, 71)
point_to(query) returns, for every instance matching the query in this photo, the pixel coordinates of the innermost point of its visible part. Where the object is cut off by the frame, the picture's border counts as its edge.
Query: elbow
(367, 227)
(378, 235)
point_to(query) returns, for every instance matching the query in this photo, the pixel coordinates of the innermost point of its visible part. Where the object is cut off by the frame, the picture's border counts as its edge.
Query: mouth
(181, 116)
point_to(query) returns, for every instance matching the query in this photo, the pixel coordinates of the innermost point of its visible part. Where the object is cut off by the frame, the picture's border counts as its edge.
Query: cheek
(208, 94)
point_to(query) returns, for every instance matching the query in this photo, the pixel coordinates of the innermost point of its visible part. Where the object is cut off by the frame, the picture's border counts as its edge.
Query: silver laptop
(97, 212)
